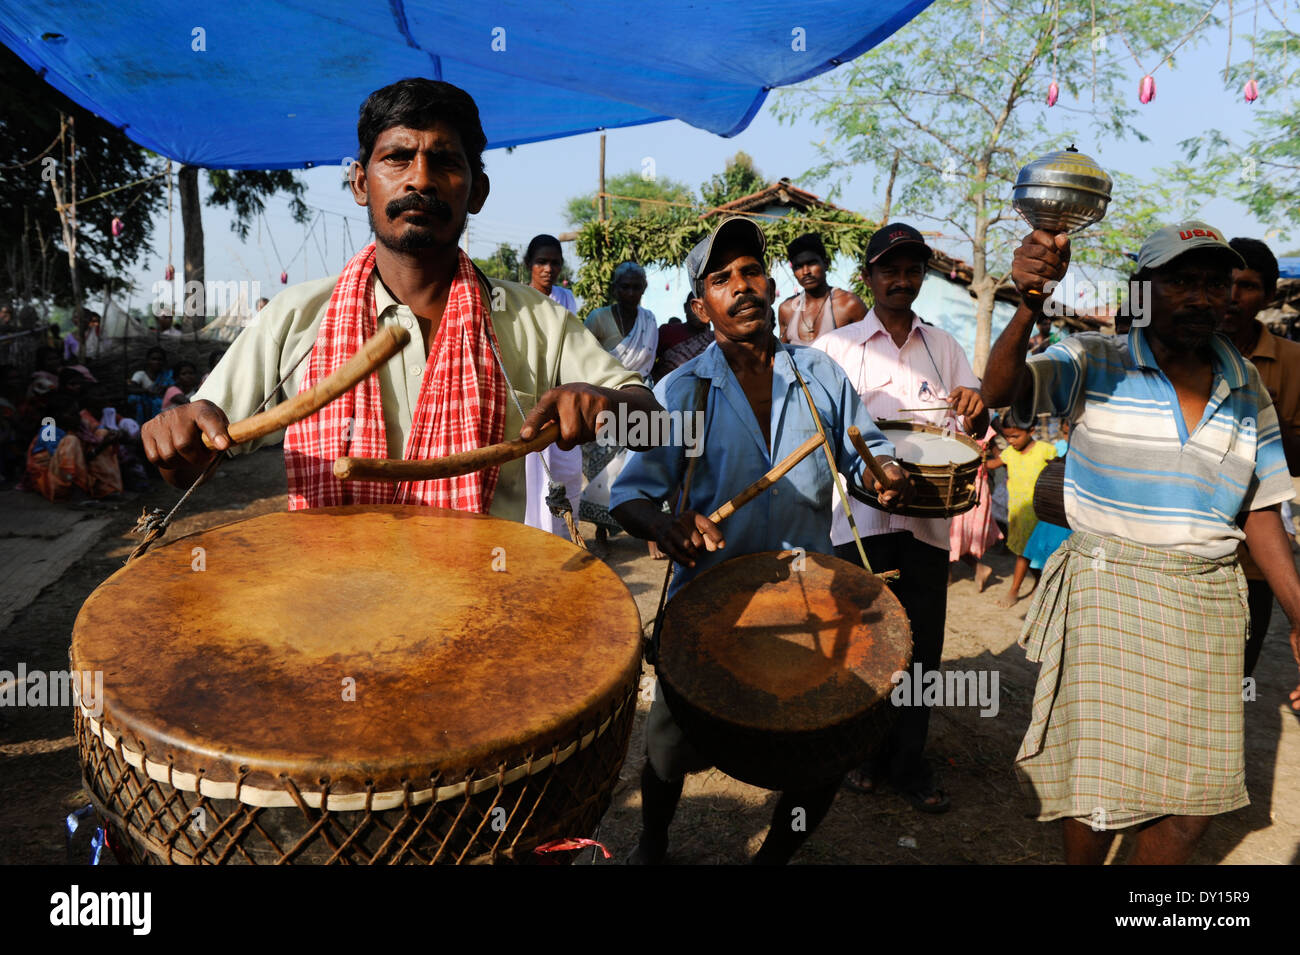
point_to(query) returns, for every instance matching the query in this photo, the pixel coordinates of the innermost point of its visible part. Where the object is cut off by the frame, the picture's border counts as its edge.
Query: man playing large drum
(749, 388)
(485, 350)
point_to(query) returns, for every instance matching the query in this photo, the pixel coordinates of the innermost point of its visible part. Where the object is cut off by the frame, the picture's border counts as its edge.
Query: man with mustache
(897, 361)
(817, 308)
(487, 360)
(1278, 362)
(1140, 620)
(755, 413)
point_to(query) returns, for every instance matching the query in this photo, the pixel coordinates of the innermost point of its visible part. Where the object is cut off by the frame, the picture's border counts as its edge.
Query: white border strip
(272, 798)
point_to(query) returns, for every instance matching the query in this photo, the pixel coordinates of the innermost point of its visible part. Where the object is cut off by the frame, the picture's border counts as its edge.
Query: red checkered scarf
(462, 402)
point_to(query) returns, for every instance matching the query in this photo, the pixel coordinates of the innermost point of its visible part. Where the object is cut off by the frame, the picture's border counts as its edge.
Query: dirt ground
(719, 820)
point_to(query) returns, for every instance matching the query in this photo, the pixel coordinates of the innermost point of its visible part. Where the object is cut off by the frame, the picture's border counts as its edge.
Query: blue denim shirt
(794, 512)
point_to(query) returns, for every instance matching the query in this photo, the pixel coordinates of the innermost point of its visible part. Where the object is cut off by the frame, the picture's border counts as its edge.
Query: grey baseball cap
(1165, 245)
(738, 229)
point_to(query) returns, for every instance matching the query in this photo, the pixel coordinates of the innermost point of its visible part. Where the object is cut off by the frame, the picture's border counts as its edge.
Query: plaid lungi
(1138, 708)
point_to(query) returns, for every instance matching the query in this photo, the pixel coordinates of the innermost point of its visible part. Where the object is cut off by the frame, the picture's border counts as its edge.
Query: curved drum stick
(768, 479)
(382, 346)
(453, 465)
(867, 457)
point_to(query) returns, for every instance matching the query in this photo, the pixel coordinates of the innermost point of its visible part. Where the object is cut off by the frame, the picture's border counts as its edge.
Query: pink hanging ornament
(1251, 90)
(1053, 93)
(171, 272)
(118, 227)
(284, 278)
(953, 275)
(1147, 91)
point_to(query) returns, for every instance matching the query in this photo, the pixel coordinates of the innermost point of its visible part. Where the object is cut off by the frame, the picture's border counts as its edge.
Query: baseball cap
(1165, 245)
(738, 229)
(891, 236)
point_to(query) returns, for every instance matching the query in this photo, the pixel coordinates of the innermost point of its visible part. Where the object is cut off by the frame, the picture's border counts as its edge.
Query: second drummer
(755, 412)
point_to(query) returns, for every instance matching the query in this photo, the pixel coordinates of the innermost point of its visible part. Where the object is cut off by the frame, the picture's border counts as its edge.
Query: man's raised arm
(1041, 258)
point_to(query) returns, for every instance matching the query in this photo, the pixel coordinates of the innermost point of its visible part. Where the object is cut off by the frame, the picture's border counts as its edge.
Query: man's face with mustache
(418, 188)
(1188, 299)
(895, 279)
(736, 296)
(1246, 298)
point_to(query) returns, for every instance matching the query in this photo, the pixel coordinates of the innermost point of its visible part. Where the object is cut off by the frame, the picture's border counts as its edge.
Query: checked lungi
(1138, 708)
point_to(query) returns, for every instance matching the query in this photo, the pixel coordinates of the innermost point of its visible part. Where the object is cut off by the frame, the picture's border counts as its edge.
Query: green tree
(507, 262)
(739, 178)
(1262, 170)
(636, 184)
(33, 259)
(955, 103)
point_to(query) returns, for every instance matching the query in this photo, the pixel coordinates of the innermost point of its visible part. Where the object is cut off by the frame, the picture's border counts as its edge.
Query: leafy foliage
(33, 259)
(738, 179)
(244, 191)
(958, 96)
(1262, 173)
(583, 209)
(665, 238)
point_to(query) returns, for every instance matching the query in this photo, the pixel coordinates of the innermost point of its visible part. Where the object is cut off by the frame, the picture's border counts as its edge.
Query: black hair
(419, 103)
(41, 353)
(186, 364)
(1260, 258)
(808, 242)
(156, 350)
(540, 242)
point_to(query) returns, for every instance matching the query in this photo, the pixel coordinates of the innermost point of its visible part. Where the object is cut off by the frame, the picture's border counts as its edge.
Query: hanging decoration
(284, 278)
(1147, 91)
(117, 227)
(1147, 88)
(1251, 89)
(1053, 88)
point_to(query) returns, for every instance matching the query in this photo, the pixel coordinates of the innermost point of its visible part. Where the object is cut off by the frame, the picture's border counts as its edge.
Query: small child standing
(1024, 459)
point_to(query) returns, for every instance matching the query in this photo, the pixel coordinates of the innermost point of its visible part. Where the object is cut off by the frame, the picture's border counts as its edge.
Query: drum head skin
(932, 450)
(756, 643)
(353, 645)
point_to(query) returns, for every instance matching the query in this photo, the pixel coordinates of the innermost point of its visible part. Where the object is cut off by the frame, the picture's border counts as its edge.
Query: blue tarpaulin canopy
(270, 84)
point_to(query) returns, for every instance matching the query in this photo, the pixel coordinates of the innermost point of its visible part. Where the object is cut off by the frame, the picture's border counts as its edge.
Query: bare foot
(1008, 600)
(656, 553)
(982, 574)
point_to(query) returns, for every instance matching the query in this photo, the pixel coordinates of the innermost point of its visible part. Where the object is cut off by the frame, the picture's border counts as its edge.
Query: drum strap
(702, 386)
(835, 471)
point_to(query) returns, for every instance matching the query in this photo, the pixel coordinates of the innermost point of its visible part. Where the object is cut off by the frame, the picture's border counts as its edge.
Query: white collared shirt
(889, 378)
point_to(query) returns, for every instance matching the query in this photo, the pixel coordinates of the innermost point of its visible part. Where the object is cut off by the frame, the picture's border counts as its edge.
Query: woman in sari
(631, 334)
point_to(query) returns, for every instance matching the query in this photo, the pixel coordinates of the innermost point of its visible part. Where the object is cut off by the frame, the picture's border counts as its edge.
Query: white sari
(602, 465)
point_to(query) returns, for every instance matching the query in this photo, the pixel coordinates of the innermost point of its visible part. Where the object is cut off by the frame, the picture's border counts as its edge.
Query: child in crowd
(149, 384)
(1024, 459)
(974, 532)
(1047, 537)
(187, 382)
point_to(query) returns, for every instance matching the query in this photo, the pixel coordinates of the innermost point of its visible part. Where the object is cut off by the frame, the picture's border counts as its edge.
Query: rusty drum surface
(781, 675)
(357, 685)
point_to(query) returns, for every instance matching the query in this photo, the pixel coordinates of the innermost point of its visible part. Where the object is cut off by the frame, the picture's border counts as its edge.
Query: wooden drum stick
(867, 457)
(382, 346)
(768, 479)
(453, 465)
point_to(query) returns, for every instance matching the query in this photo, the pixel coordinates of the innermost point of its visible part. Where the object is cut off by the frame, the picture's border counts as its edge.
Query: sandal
(919, 798)
(859, 782)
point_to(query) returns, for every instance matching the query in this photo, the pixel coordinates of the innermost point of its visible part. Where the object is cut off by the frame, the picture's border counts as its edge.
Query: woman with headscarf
(545, 261)
(631, 334)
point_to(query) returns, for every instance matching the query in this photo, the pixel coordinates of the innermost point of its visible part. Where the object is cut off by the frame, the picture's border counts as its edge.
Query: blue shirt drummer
(731, 453)
(755, 414)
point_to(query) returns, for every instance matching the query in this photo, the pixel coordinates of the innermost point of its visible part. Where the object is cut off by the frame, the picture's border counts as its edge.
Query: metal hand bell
(1064, 191)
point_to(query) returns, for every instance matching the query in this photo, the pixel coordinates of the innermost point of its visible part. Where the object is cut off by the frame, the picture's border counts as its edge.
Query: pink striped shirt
(887, 377)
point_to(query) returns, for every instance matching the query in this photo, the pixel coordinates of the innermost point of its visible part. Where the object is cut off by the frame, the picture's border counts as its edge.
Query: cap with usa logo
(1165, 245)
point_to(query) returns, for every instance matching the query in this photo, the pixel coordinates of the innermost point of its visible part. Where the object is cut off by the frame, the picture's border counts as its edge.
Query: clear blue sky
(531, 185)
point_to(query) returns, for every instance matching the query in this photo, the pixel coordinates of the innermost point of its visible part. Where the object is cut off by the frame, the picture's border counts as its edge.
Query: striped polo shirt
(1133, 471)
